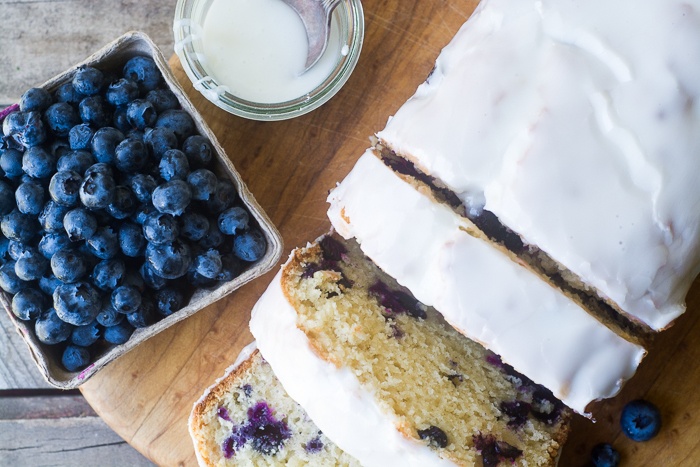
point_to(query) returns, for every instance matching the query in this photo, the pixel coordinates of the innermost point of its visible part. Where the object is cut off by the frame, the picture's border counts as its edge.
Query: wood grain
(146, 396)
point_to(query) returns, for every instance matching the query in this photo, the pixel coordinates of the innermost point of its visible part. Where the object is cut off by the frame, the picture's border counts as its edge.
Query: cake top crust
(577, 124)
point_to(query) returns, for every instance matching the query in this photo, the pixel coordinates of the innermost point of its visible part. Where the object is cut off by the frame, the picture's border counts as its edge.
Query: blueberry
(13, 123)
(131, 240)
(250, 246)
(101, 168)
(86, 335)
(640, 420)
(144, 316)
(48, 284)
(172, 197)
(169, 300)
(199, 151)
(31, 265)
(124, 203)
(35, 99)
(79, 224)
(75, 358)
(203, 183)
(150, 278)
(19, 227)
(79, 136)
(68, 265)
(223, 198)
(104, 142)
(64, 187)
(162, 100)
(30, 198)
(119, 120)
(208, 264)
(142, 212)
(130, 155)
(4, 245)
(11, 163)
(59, 148)
(143, 71)
(213, 238)
(78, 161)
(67, 93)
(173, 165)
(108, 274)
(160, 228)
(50, 329)
(178, 121)
(231, 267)
(604, 455)
(169, 261)
(159, 140)
(77, 303)
(33, 133)
(51, 242)
(7, 202)
(194, 226)
(97, 190)
(88, 81)
(60, 118)
(9, 282)
(436, 436)
(104, 243)
(119, 333)
(94, 111)
(109, 316)
(121, 92)
(28, 304)
(142, 185)
(37, 162)
(233, 220)
(141, 114)
(16, 249)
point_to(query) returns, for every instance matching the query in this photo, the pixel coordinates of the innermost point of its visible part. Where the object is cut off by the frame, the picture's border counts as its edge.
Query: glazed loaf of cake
(576, 125)
(387, 379)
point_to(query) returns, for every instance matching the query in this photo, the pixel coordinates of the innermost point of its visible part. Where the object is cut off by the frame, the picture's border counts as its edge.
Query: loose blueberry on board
(640, 420)
(604, 455)
(50, 329)
(75, 358)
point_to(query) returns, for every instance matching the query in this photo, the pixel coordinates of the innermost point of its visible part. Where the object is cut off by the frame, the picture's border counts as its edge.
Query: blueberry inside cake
(442, 391)
(247, 419)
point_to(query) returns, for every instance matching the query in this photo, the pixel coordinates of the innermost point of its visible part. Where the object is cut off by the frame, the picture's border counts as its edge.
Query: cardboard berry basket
(48, 358)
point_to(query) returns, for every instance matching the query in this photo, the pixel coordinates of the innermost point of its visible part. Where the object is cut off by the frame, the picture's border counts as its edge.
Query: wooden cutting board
(146, 395)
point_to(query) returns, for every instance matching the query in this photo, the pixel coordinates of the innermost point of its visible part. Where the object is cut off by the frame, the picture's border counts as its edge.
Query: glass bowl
(188, 28)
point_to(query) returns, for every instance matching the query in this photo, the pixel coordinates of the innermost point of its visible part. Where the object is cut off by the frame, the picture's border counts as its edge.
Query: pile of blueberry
(110, 210)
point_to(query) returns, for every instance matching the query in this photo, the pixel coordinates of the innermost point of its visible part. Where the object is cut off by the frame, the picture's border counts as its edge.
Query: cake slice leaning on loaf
(575, 125)
(246, 418)
(478, 289)
(387, 379)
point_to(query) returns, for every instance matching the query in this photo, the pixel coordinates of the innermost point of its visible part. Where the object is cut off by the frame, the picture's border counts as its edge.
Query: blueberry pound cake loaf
(387, 379)
(247, 419)
(558, 120)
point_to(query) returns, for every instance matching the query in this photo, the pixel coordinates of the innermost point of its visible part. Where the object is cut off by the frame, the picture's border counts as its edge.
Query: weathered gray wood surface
(39, 39)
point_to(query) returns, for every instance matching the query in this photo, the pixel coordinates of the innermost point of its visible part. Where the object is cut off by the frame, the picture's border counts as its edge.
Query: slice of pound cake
(478, 289)
(575, 125)
(247, 419)
(387, 379)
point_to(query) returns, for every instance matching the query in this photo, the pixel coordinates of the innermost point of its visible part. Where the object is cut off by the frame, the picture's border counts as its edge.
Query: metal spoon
(316, 16)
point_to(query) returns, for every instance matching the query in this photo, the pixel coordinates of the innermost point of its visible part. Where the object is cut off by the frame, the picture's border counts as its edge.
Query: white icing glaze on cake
(577, 123)
(478, 289)
(332, 397)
